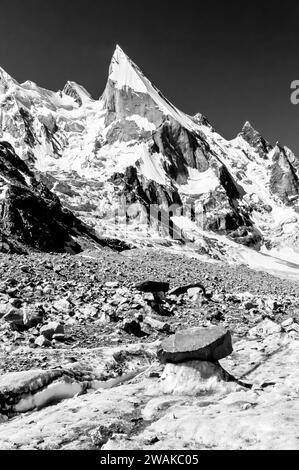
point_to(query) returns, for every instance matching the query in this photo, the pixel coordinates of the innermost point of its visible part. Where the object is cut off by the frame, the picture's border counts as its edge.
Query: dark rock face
(30, 138)
(125, 131)
(248, 236)
(31, 216)
(154, 198)
(236, 225)
(256, 140)
(203, 344)
(122, 103)
(182, 150)
(233, 190)
(284, 179)
(136, 188)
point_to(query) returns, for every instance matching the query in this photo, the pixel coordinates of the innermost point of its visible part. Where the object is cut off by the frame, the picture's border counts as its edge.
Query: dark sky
(232, 61)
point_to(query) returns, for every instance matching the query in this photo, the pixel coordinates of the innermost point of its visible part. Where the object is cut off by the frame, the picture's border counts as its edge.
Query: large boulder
(184, 289)
(204, 344)
(51, 329)
(152, 286)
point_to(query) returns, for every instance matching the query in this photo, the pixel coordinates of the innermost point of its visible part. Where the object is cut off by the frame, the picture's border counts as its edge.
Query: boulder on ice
(203, 344)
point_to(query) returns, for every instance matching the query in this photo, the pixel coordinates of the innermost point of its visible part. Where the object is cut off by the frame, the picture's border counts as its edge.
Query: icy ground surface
(140, 415)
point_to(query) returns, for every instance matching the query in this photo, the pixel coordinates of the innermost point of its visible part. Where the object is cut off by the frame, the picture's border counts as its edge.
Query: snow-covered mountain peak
(247, 126)
(5, 81)
(129, 92)
(124, 73)
(248, 131)
(134, 144)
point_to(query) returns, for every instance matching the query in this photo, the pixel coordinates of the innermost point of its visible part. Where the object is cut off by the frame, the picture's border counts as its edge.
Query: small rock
(139, 317)
(157, 324)
(287, 322)
(112, 284)
(265, 328)
(132, 327)
(89, 311)
(4, 309)
(58, 337)
(62, 305)
(104, 318)
(249, 305)
(272, 304)
(149, 297)
(17, 303)
(47, 289)
(42, 342)
(292, 327)
(49, 330)
(194, 292)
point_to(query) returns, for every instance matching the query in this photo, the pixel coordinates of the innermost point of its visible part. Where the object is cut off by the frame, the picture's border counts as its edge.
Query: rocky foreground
(91, 354)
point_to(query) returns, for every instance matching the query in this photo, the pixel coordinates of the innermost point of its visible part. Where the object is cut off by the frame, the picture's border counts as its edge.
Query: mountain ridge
(133, 144)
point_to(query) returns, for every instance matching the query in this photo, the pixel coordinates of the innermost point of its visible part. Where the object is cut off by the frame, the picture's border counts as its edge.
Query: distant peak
(202, 120)
(255, 139)
(3, 73)
(247, 126)
(248, 131)
(76, 91)
(5, 81)
(279, 146)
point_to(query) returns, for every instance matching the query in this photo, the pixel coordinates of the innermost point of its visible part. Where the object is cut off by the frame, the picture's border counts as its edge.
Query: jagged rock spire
(255, 139)
(78, 92)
